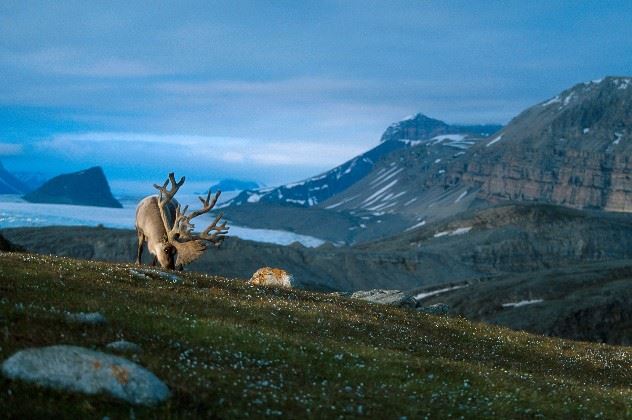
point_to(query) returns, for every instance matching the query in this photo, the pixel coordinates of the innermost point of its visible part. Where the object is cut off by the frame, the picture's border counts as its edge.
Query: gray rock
(77, 369)
(436, 309)
(91, 318)
(148, 274)
(124, 345)
(386, 297)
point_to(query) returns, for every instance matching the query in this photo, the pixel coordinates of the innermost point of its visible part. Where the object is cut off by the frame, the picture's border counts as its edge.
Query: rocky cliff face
(574, 150)
(86, 188)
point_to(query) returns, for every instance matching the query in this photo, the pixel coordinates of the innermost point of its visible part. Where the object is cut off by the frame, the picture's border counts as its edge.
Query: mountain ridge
(400, 135)
(10, 184)
(87, 187)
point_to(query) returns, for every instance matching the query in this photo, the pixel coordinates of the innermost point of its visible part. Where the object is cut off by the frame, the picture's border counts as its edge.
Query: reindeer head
(180, 241)
(165, 254)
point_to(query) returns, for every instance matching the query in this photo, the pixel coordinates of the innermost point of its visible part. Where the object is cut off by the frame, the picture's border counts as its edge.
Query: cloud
(10, 149)
(76, 62)
(269, 87)
(199, 151)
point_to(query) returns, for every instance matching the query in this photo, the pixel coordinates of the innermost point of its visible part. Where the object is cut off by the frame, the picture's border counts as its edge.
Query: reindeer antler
(180, 233)
(178, 226)
(164, 198)
(219, 231)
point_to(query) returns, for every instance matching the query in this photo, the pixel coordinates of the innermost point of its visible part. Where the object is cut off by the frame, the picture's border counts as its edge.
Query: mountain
(573, 149)
(88, 188)
(312, 191)
(231, 184)
(402, 135)
(9, 184)
(588, 301)
(422, 127)
(32, 180)
(339, 205)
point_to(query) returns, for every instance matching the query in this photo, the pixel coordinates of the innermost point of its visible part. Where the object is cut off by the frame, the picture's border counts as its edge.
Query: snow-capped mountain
(422, 127)
(572, 150)
(314, 190)
(395, 183)
(407, 133)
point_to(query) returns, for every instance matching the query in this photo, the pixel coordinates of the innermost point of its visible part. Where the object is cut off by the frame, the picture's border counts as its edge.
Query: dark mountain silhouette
(86, 188)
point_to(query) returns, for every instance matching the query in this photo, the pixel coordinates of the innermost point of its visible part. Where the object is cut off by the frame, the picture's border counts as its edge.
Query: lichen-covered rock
(267, 276)
(77, 369)
(386, 297)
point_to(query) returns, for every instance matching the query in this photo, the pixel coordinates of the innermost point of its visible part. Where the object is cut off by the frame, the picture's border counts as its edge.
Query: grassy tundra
(229, 349)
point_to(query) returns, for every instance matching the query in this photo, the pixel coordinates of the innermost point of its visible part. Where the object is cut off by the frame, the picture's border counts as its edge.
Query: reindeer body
(168, 230)
(150, 228)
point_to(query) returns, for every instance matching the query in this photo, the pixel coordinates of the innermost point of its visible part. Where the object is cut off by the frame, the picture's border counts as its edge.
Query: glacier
(15, 212)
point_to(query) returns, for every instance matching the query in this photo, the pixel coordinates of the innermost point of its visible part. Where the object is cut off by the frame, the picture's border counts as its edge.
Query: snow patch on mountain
(460, 197)
(425, 295)
(521, 303)
(617, 139)
(552, 101)
(458, 231)
(496, 140)
(622, 83)
(416, 225)
(254, 198)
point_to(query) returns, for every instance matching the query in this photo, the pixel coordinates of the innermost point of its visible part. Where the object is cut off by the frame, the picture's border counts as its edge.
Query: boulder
(267, 276)
(386, 297)
(77, 369)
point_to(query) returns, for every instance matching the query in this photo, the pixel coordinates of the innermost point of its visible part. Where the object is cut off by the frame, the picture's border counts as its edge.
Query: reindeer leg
(141, 240)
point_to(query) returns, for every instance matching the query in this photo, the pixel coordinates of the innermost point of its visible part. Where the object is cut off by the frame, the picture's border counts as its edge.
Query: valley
(504, 254)
(525, 225)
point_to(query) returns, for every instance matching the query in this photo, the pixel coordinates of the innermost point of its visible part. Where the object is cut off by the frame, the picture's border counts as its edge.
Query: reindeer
(168, 229)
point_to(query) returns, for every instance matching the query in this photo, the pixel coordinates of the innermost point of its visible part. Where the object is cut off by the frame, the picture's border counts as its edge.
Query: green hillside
(226, 349)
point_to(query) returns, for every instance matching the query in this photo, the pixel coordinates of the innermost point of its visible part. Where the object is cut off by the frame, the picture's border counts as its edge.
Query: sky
(276, 91)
